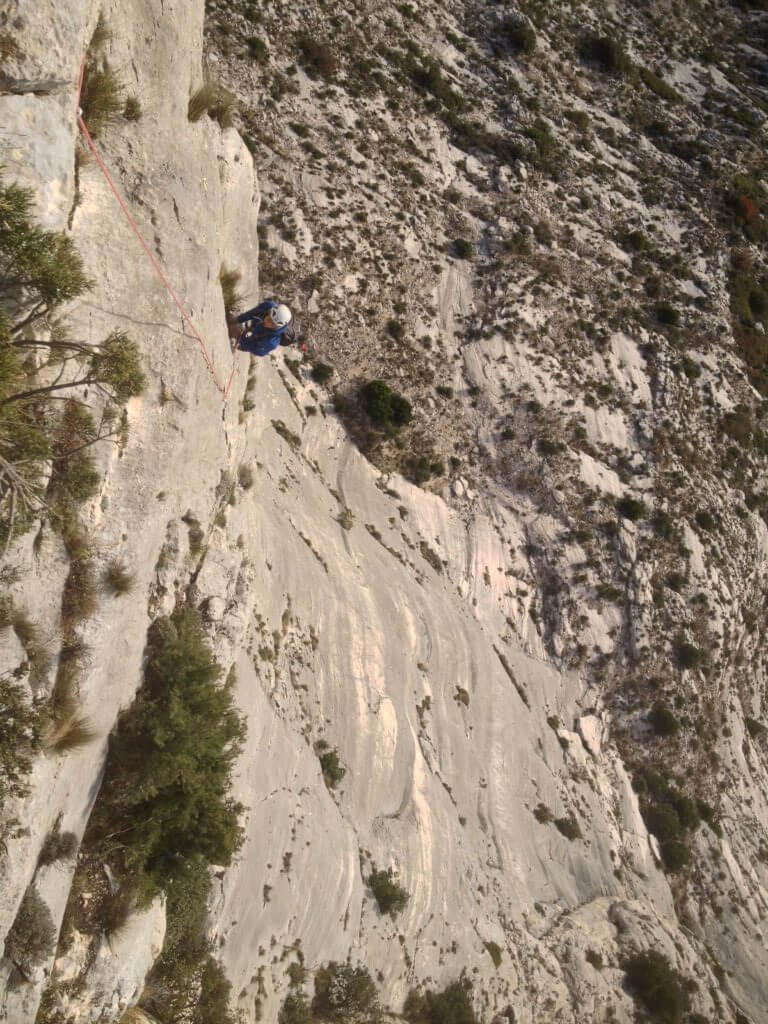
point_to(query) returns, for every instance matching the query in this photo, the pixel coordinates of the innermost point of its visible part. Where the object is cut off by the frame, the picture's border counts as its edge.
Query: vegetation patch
(385, 407)
(655, 984)
(186, 982)
(165, 796)
(316, 56)
(391, 898)
(568, 827)
(330, 765)
(345, 993)
(663, 720)
(606, 52)
(669, 814)
(57, 846)
(21, 724)
(213, 99)
(32, 936)
(453, 1004)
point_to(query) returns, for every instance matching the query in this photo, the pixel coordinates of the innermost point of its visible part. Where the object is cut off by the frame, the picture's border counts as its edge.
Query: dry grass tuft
(101, 35)
(118, 579)
(65, 699)
(80, 598)
(245, 476)
(101, 97)
(229, 280)
(73, 734)
(215, 101)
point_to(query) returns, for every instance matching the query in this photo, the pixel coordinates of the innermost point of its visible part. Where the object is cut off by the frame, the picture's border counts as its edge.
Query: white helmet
(280, 315)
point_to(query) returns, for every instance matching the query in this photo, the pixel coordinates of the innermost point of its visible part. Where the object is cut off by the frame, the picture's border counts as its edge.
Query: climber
(263, 328)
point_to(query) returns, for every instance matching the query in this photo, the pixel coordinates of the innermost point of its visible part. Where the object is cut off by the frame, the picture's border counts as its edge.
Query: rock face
(358, 609)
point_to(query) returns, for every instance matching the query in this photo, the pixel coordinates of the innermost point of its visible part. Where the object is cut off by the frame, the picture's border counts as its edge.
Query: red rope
(224, 390)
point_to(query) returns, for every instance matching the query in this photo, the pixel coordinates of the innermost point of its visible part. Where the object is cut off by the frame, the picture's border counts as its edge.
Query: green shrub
(542, 814)
(421, 468)
(451, 1006)
(317, 56)
(396, 329)
(631, 508)
(427, 75)
(79, 599)
(42, 269)
(185, 982)
(705, 520)
(667, 314)
(330, 766)
(32, 936)
(754, 728)
(658, 86)
(245, 476)
(295, 1010)
(594, 958)
(657, 985)
(519, 35)
(494, 951)
(377, 400)
(101, 97)
(463, 249)
(669, 814)
(168, 773)
(688, 655)
(390, 897)
(568, 827)
(663, 720)
(345, 993)
(321, 373)
(21, 723)
(383, 406)
(257, 48)
(400, 410)
(57, 845)
(606, 52)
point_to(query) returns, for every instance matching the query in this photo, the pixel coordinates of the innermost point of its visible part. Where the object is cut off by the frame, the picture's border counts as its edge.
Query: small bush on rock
(20, 728)
(631, 508)
(519, 34)
(330, 765)
(167, 778)
(316, 56)
(346, 993)
(32, 937)
(101, 98)
(390, 897)
(463, 249)
(663, 720)
(657, 985)
(451, 1006)
(58, 845)
(383, 406)
(606, 52)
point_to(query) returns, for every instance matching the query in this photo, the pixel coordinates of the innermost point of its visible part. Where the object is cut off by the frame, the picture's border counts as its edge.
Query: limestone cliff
(472, 649)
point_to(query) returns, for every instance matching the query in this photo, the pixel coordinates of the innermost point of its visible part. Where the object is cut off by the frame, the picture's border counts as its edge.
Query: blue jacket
(257, 338)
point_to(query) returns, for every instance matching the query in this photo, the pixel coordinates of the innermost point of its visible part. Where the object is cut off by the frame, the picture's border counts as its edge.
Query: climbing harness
(222, 388)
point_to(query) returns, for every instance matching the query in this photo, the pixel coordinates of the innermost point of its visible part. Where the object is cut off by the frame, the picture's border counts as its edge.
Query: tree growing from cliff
(165, 796)
(39, 271)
